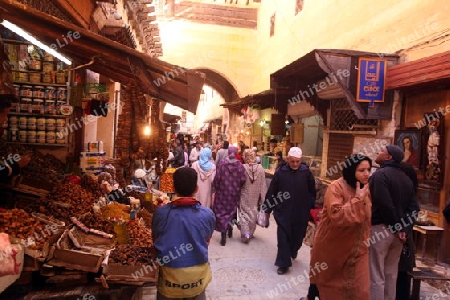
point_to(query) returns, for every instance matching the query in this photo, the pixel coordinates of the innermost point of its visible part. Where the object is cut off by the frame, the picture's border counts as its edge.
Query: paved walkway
(247, 271)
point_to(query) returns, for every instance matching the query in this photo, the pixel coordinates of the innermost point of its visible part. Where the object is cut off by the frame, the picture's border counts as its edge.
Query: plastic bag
(8, 265)
(262, 220)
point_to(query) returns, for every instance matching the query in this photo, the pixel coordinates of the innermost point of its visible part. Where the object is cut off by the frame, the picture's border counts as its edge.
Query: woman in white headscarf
(252, 195)
(206, 171)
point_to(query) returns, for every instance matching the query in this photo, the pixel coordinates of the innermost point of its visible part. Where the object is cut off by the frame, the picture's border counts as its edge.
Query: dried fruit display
(98, 222)
(129, 255)
(91, 184)
(20, 224)
(146, 216)
(67, 200)
(139, 235)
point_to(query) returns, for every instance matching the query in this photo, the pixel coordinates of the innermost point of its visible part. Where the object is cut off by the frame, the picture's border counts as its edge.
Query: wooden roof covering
(427, 71)
(173, 84)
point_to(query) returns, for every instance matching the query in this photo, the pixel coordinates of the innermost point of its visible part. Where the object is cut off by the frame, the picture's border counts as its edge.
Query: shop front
(425, 136)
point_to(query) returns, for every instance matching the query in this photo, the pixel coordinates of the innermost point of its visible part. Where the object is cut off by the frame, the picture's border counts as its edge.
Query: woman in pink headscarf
(252, 195)
(230, 177)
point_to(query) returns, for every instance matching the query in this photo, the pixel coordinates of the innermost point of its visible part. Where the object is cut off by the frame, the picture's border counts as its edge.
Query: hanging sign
(371, 80)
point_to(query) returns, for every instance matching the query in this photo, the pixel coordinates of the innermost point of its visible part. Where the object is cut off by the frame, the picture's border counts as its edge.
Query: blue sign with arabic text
(371, 80)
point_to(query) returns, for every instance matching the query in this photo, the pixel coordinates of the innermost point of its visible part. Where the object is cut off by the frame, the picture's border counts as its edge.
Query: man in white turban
(291, 195)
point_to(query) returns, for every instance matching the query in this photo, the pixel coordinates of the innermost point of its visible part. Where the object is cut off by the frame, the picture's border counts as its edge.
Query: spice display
(129, 255)
(115, 209)
(166, 181)
(91, 184)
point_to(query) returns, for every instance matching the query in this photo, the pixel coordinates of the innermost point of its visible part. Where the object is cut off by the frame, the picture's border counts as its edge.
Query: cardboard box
(75, 259)
(125, 273)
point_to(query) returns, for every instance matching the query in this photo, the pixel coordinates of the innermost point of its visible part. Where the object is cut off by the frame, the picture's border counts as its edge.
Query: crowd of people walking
(365, 223)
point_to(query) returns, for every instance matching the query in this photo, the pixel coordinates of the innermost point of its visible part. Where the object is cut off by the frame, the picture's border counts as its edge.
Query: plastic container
(47, 66)
(39, 92)
(22, 76)
(50, 92)
(38, 106)
(25, 104)
(13, 122)
(61, 93)
(17, 89)
(26, 91)
(121, 231)
(60, 77)
(35, 77)
(23, 136)
(60, 124)
(31, 136)
(50, 137)
(14, 135)
(40, 124)
(31, 123)
(50, 124)
(23, 123)
(48, 57)
(40, 137)
(59, 103)
(60, 138)
(47, 78)
(50, 107)
(35, 65)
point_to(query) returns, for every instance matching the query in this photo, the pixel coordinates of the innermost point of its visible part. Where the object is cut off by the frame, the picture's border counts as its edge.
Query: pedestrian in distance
(290, 197)
(206, 171)
(227, 184)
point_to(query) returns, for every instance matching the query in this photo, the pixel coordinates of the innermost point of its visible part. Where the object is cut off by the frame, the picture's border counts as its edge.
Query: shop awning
(263, 100)
(296, 80)
(173, 84)
(427, 71)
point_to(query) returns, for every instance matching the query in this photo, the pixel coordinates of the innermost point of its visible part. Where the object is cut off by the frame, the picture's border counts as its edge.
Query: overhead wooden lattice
(48, 7)
(343, 118)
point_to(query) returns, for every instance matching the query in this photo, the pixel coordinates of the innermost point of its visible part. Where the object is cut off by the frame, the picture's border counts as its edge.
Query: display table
(426, 231)
(418, 274)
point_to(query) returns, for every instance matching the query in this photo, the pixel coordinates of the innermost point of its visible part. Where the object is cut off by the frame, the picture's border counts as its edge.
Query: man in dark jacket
(394, 210)
(291, 195)
(178, 154)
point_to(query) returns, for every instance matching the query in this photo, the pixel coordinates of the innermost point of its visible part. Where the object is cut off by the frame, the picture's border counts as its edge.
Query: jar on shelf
(39, 92)
(26, 91)
(40, 124)
(50, 124)
(38, 106)
(50, 137)
(48, 57)
(15, 106)
(13, 122)
(61, 93)
(31, 123)
(60, 138)
(25, 104)
(31, 136)
(23, 123)
(35, 77)
(41, 137)
(47, 78)
(23, 136)
(17, 89)
(14, 135)
(22, 76)
(60, 77)
(49, 106)
(35, 65)
(60, 124)
(47, 67)
(59, 103)
(50, 92)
